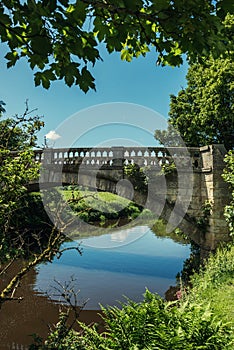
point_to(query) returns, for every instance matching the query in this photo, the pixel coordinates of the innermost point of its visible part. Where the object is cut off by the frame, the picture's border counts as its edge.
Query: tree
(25, 230)
(203, 112)
(18, 134)
(2, 109)
(61, 38)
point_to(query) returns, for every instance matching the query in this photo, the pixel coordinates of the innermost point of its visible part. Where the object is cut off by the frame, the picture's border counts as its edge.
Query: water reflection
(125, 236)
(104, 275)
(116, 237)
(34, 314)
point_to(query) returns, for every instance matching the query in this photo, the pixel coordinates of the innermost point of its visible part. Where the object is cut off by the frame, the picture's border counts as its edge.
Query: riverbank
(208, 305)
(203, 316)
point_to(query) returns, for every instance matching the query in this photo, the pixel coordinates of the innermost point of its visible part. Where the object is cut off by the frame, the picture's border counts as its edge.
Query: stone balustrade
(119, 156)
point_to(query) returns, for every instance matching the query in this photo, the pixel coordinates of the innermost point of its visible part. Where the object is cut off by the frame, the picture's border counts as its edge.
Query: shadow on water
(36, 313)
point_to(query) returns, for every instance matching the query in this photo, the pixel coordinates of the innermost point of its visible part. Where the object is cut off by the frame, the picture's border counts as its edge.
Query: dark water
(116, 264)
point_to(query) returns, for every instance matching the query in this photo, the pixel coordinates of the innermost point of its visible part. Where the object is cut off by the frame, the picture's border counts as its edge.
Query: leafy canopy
(19, 132)
(60, 38)
(203, 113)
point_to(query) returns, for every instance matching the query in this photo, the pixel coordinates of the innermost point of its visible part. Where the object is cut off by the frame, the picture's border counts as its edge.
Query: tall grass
(215, 284)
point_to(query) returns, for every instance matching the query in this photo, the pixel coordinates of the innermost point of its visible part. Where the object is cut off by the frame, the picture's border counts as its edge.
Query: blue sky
(140, 82)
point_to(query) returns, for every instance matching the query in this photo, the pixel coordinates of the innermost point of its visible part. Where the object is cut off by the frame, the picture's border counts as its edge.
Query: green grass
(215, 284)
(101, 201)
(100, 207)
(160, 229)
(222, 302)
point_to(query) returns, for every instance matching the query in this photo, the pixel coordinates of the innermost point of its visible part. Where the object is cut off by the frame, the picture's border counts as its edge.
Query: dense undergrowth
(202, 318)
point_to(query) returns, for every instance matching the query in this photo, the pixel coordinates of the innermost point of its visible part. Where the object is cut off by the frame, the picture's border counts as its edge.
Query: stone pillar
(48, 156)
(118, 156)
(215, 190)
(45, 173)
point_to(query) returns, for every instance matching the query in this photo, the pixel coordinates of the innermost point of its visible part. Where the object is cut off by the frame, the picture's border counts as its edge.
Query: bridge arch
(103, 168)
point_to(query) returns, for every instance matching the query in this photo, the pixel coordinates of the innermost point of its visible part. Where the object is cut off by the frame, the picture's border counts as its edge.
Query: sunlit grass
(105, 201)
(215, 285)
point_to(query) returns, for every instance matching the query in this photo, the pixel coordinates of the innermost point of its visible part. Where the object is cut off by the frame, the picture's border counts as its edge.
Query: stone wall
(180, 194)
(214, 190)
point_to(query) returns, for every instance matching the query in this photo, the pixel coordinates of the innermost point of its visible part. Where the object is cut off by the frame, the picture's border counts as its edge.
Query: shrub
(228, 176)
(151, 324)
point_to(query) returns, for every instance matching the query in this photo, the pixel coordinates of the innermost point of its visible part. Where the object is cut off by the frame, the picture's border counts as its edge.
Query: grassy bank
(92, 206)
(215, 285)
(202, 318)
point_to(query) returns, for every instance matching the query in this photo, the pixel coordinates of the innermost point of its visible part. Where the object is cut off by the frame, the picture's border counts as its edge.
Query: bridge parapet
(119, 156)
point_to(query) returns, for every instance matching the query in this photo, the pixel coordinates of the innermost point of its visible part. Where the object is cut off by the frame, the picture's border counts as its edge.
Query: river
(122, 263)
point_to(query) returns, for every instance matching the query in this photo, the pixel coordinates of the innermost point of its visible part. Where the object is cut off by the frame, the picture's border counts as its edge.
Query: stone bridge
(177, 197)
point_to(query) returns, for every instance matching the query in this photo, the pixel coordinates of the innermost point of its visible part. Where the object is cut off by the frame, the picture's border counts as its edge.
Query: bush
(228, 176)
(137, 177)
(151, 324)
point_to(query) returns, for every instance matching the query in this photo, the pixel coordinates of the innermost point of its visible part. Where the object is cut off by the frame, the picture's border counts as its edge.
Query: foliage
(190, 265)
(160, 230)
(203, 220)
(19, 132)
(137, 177)
(168, 168)
(151, 324)
(214, 284)
(17, 170)
(23, 234)
(202, 319)
(2, 109)
(228, 176)
(60, 39)
(61, 338)
(203, 113)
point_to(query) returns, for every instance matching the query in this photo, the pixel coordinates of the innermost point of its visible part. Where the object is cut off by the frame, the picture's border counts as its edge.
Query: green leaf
(41, 45)
(69, 79)
(226, 5)
(35, 60)
(126, 56)
(133, 5)
(12, 57)
(86, 80)
(5, 19)
(41, 78)
(80, 12)
(64, 2)
(161, 5)
(52, 4)
(53, 30)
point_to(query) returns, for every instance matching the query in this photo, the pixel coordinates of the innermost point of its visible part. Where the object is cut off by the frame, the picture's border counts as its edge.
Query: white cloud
(52, 135)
